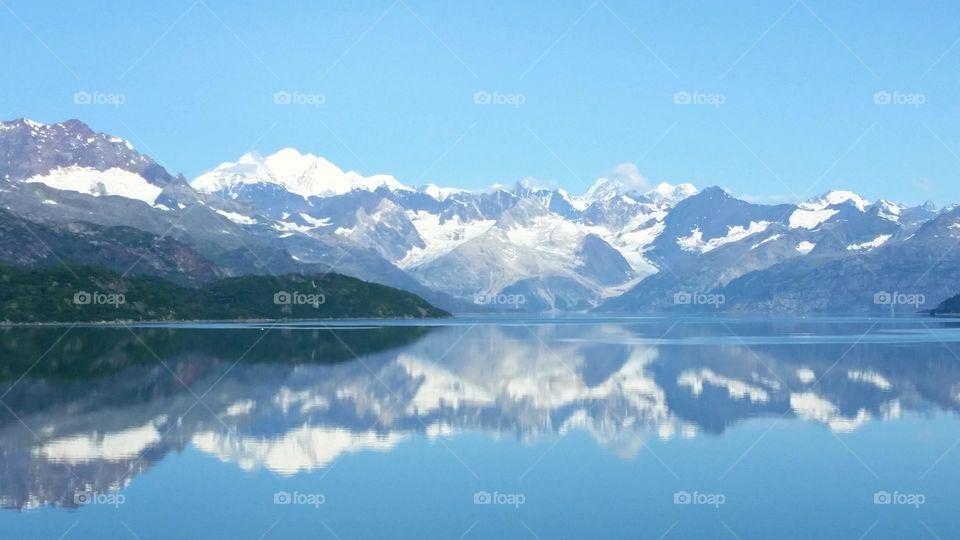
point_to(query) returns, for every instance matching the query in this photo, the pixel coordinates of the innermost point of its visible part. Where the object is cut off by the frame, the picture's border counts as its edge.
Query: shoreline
(161, 322)
(486, 318)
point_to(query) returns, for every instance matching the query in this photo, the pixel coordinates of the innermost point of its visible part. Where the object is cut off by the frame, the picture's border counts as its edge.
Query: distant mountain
(832, 254)
(67, 177)
(911, 272)
(618, 247)
(553, 250)
(90, 294)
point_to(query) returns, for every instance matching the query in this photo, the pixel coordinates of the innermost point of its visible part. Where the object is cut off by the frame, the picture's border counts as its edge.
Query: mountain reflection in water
(97, 407)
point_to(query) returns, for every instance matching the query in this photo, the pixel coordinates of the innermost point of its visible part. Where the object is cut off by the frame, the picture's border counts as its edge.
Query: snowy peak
(605, 189)
(306, 175)
(439, 193)
(816, 211)
(668, 195)
(888, 210)
(836, 198)
(664, 194)
(69, 156)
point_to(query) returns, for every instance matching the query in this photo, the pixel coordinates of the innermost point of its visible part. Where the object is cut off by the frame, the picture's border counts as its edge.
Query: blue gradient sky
(597, 80)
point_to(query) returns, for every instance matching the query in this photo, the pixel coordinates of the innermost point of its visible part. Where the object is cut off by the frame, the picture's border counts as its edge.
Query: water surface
(474, 428)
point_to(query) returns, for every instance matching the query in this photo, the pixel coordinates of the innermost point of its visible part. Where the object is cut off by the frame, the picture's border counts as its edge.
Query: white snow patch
(834, 198)
(314, 221)
(440, 237)
(111, 446)
(870, 377)
(806, 375)
(303, 449)
(695, 241)
(805, 247)
(240, 408)
(440, 388)
(736, 389)
(111, 182)
(813, 407)
(237, 218)
(812, 213)
(889, 211)
(867, 246)
(810, 219)
(766, 240)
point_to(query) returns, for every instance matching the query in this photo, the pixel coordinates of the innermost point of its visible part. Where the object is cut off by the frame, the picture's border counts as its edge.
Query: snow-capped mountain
(619, 246)
(305, 175)
(718, 246)
(553, 250)
(59, 178)
(72, 157)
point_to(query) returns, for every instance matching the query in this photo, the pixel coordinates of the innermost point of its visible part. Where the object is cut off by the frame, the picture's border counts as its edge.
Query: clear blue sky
(597, 81)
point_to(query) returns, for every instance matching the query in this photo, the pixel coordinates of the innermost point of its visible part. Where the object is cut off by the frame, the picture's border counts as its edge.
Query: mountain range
(69, 194)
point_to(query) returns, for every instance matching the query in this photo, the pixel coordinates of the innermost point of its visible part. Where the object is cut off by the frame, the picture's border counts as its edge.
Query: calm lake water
(532, 429)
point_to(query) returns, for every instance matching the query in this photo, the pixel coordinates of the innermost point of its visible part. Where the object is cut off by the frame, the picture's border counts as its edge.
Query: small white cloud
(629, 175)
